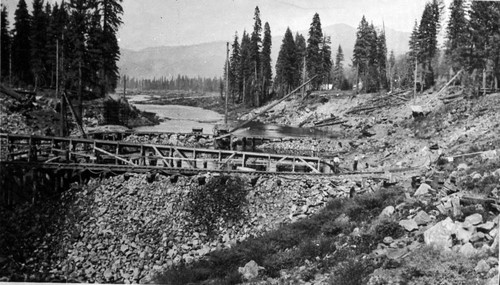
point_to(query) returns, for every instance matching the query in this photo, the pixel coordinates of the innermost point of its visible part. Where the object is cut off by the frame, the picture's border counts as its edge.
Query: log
(271, 106)
(6, 90)
(75, 116)
(449, 82)
(331, 123)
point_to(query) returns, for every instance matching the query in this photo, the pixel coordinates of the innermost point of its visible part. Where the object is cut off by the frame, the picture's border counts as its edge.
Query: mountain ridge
(207, 59)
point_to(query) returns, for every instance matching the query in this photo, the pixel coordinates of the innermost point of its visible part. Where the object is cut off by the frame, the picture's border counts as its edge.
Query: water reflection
(183, 119)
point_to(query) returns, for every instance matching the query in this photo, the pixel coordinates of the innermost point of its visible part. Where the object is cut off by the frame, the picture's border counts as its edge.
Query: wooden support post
(484, 81)
(117, 152)
(194, 158)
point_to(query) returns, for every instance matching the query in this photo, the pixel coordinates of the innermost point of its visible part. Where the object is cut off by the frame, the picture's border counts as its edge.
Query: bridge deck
(40, 150)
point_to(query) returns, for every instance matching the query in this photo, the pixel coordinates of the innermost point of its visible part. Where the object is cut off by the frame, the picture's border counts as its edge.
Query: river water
(183, 119)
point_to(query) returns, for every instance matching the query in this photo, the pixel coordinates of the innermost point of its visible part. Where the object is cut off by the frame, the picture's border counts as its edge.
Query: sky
(150, 23)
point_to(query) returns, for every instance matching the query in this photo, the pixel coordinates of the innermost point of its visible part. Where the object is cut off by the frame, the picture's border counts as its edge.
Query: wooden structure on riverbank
(34, 166)
(119, 155)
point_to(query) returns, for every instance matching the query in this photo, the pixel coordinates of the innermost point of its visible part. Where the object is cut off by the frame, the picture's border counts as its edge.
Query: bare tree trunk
(80, 106)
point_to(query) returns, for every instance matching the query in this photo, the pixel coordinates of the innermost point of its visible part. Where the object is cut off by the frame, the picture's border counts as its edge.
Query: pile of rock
(124, 229)
(185, 140)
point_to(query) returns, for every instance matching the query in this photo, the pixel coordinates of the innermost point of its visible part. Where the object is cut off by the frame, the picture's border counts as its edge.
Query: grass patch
(315, 238)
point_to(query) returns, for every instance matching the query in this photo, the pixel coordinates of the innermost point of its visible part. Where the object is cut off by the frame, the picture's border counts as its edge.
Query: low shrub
(388, 228)
(316, 238)
(352, 272)
(222, 199)
(431, 266)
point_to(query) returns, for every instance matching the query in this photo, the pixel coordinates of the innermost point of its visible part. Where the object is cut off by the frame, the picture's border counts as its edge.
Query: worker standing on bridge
(355, 163)
(336, 164)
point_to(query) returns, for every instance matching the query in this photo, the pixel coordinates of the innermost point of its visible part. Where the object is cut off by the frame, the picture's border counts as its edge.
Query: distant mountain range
(207, 59)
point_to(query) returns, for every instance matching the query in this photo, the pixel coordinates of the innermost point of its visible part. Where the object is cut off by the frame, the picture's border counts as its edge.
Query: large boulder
(439, 235)
(422, 218)
(250, 270)
(409, 225)
(387, 212)
(474, 219)
(423, 189)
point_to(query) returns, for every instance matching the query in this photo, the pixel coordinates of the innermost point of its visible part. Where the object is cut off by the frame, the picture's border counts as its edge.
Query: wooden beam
(183, 156)
(308, 165)
(163, 158)
(227, 160)
(112, 155)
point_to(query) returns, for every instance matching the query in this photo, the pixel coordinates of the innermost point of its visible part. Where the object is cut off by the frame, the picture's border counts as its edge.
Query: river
(183, 119)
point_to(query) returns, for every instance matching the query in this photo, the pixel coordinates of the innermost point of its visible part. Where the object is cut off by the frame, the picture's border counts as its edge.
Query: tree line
(181, 82)
(472, 43)
(76, 38)
(251, 81)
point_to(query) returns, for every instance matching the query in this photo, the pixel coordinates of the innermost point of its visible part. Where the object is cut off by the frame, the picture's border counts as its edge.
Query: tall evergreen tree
(485, 37)
(256, 42)
(391, 70)
(382, 59)
(338, 70)
(267, 72)
(246, 70)
(286, 65)
(361, 50)
(326, 56)
(111, 12)
(39, 42)
(300, 51)
(5, 44)
(21, 46)
(457, 33)
(414, 43)
(371, 76)
(314, 59)
(427, 38)
(234, 74)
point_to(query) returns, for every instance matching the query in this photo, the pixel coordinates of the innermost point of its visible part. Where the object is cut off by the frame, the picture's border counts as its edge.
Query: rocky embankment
(126, 229)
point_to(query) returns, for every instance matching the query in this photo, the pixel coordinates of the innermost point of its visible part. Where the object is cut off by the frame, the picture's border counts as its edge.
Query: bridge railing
(43, 149)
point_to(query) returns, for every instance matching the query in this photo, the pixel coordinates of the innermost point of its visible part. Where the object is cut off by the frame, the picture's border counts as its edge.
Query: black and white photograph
(250, 142)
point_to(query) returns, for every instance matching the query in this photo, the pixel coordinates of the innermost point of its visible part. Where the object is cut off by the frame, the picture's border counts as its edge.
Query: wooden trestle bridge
(35, 166)
(117, 156)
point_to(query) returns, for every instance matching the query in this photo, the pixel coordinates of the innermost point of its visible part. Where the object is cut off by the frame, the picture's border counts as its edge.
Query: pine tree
(5, 44)
(111, 12)
(21, 48)
(391, 71)
(457, 41)
(39, 42)
(267, 72)
(300, 51)
(414, 43)
(371, 78)
(235, 86)
(314, 59)
(427, 38)
(338, 71)
(382, 59)
(255, 48)
(286, 65)
(485, 38)
(246, 68)
(326, 56)
(361, 50)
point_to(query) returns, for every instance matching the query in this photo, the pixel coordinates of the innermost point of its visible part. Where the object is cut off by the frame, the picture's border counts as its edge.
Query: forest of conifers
(82, 34)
